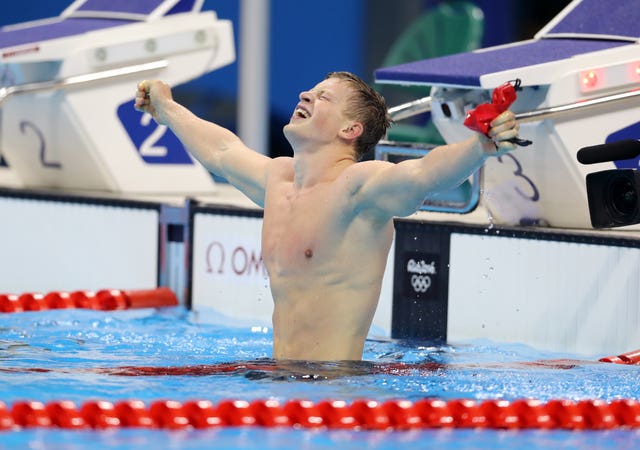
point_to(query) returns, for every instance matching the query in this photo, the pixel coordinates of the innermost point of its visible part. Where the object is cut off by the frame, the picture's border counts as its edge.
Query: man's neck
(320, 165)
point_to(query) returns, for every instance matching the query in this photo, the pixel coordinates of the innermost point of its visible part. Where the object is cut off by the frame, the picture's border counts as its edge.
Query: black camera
(614, 195)
(614, 198)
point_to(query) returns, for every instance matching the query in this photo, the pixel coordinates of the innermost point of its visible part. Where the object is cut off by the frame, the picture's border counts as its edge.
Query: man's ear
(352, 131)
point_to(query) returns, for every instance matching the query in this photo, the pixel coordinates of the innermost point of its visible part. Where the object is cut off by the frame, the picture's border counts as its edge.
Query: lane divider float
(329, 414)
(631, 358)
(102, 300)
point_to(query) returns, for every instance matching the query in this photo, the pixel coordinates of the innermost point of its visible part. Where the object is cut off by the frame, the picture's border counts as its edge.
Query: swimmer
(328, 216)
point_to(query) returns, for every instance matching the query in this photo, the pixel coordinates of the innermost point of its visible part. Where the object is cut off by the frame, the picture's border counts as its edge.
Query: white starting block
(67, 88)
(581, 87)
(526, 264)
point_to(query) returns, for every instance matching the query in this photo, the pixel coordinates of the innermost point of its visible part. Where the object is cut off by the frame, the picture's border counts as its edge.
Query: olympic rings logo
(420, 283)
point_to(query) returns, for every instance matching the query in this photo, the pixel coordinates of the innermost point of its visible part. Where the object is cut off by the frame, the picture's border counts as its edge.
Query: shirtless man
(328, 218)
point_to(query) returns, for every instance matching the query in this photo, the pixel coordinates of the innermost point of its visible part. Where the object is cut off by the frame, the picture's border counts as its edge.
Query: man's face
(320, 113)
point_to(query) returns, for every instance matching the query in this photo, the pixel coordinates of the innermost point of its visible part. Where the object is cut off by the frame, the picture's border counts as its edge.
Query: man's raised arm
(218, 149)
(399, 189)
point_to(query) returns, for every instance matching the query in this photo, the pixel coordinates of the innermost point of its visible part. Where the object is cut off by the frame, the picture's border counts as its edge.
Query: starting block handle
(79, 80)
(422, 105)
(410, 109)
(553, 111)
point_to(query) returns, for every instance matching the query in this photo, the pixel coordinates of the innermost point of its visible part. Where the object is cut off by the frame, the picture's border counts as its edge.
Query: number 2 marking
(148, 147)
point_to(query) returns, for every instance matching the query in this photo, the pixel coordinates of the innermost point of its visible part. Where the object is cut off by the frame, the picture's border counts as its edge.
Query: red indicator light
(592, 79)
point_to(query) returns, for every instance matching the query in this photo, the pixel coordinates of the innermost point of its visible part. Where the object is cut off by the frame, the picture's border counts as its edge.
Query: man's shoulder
(357, 175)
(282, 162)
(364, 169)
(281, 166)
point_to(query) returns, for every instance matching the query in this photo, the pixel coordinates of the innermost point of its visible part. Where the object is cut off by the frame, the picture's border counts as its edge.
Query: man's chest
(299, 230)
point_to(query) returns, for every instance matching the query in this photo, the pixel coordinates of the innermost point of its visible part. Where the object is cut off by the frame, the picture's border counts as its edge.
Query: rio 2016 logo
(421, 276)
(155, 144)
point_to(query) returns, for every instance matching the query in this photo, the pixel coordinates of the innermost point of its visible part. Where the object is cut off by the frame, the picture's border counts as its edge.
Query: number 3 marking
(518, 173)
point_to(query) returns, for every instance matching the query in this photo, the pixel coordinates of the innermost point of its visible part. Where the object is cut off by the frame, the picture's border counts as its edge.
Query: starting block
(67, 86)
(580, 87)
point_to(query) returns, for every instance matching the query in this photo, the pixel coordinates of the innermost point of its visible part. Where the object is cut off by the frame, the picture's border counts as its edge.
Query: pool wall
(561, 290)
(53, 241)
(558, 290)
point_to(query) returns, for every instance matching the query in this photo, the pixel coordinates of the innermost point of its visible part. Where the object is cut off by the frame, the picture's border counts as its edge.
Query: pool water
(83, 355)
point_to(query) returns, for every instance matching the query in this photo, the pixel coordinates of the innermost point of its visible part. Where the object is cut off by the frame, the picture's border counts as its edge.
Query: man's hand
(503, 129)
(495, 123)
(151, 96)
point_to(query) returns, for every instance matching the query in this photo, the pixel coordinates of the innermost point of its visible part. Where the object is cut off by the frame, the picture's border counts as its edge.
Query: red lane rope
(361, 414)
(332, 414)
(297, 369)
(103, 300)
(632, 358)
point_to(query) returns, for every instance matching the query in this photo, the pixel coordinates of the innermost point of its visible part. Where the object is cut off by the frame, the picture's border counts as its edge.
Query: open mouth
(302, 113)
